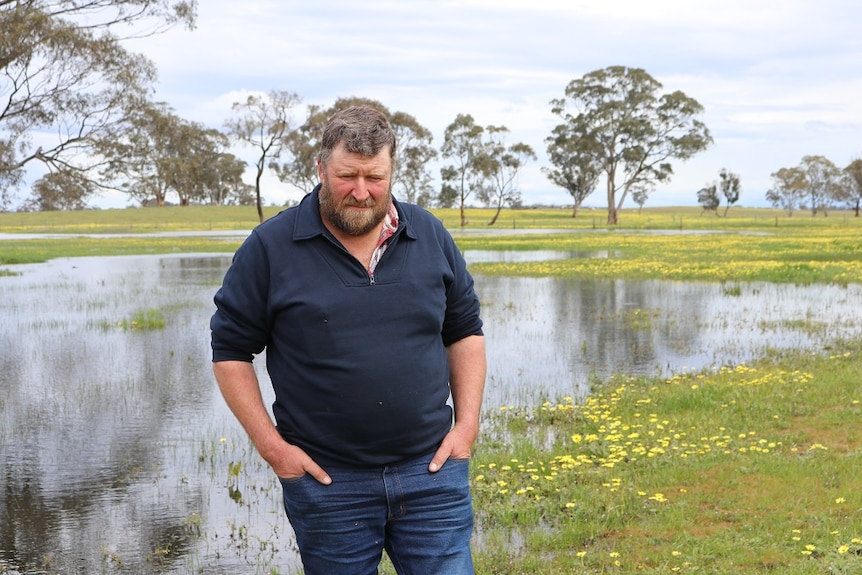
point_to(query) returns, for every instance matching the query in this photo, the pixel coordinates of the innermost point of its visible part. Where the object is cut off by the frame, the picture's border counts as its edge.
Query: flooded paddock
(119, 456)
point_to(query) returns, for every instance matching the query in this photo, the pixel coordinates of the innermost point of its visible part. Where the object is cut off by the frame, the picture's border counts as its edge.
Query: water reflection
(93, 416)
(110, 438)
(548, 337)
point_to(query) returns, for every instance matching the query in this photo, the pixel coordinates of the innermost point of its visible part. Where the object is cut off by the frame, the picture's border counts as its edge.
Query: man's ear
(319, 170)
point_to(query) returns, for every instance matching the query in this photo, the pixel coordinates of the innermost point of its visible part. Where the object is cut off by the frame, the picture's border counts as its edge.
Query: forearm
(240, 388)
(467, 367)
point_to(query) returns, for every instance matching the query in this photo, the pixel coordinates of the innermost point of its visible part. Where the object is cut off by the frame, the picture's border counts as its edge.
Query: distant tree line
(818, 185)
(66, 72)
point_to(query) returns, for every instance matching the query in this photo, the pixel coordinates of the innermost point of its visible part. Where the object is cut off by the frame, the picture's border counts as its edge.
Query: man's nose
(361, 189)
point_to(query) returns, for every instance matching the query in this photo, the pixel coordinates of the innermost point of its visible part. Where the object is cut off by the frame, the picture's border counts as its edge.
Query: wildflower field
(749, 469)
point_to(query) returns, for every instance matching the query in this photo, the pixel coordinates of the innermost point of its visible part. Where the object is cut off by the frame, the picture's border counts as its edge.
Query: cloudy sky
(778, 80)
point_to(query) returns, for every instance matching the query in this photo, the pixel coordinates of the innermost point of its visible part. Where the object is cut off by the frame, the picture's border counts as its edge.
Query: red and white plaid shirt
(390, 224)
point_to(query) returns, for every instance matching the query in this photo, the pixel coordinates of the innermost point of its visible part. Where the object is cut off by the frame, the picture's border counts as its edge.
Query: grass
(41, 250)
(142, 320)
(210, 218)
(813, 255)
(748, 245)
(745, 470)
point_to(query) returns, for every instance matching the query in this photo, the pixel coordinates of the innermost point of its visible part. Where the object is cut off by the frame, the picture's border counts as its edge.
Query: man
(369, 319)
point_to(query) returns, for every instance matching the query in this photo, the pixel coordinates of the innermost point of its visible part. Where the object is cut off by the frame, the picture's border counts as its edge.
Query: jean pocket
(292, 480)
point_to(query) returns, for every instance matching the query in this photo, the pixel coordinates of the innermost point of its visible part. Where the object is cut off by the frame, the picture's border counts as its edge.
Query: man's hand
(457, 444)
(289, 462)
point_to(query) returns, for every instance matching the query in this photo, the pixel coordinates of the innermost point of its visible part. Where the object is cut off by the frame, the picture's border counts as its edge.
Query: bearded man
(375, 351)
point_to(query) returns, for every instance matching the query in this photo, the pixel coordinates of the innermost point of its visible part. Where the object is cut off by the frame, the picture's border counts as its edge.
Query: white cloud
(777, 82)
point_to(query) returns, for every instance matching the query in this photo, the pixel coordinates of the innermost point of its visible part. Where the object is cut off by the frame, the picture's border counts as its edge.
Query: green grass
(745, 246)
(745, 470)
(785, 255)
(176, 218)
(41, 250)
(142, 320)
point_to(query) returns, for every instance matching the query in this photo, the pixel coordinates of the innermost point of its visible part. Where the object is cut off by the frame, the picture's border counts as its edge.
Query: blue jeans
(423, 520)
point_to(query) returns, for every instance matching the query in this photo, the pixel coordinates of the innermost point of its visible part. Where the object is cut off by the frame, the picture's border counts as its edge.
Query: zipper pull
(371, 280)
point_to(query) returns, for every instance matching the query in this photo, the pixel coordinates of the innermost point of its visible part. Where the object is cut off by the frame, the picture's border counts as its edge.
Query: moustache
(352, 203)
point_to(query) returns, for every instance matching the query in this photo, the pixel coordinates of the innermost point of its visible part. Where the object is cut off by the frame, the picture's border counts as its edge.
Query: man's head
(361, 129)
(355, 168)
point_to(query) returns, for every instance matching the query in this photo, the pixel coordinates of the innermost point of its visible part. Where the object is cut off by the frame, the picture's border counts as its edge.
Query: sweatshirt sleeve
(239, 325)
(462, 304)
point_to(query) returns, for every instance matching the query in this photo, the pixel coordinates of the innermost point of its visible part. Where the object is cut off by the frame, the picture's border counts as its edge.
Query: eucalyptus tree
(730, 186)
(154, 153)
(222, 182)
(410, 178)
(263, 122)
(198, 169)
(853, 185)
(60, 190)
(467, 172)
(707, 198)
(575, 169)
(133, 152)
(640, 195)
(788, 190)
(823, 185)
(502, 165)
(65, 76)
(618, 116)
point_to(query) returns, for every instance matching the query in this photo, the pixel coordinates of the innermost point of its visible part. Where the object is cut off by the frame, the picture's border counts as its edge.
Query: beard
(343, 216)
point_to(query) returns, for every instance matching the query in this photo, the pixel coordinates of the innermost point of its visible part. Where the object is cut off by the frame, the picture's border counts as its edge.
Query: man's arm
(467, 380)
(241, 390)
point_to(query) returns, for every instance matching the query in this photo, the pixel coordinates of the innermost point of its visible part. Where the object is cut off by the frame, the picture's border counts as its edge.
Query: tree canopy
(65, 76)
(264, 122)
(617, 116)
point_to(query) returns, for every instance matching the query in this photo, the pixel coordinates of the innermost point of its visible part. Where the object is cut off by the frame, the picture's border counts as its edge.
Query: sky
(777, 80)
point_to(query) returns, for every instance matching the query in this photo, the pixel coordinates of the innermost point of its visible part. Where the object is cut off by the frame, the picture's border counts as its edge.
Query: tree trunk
(257, 193)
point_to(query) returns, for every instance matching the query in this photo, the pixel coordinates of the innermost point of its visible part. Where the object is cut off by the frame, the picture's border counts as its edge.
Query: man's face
(355, 190)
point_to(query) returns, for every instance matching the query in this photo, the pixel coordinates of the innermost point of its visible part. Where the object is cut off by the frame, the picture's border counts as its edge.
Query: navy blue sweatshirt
(358, 363)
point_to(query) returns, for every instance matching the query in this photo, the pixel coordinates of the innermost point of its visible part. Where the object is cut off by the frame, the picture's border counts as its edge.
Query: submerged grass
(143, 320)
(742, 470)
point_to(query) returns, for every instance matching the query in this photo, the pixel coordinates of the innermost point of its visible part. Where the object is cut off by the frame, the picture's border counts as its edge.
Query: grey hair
(362, 130)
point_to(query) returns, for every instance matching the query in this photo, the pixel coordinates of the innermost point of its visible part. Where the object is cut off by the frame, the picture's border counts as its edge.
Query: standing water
(119, 456)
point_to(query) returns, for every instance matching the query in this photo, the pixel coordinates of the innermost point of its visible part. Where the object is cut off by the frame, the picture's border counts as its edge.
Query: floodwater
(118, 455)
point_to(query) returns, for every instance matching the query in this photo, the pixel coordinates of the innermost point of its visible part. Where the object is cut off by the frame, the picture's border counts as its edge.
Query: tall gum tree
(574, 170)
(788, 189)
(853, 185)
(462, 146)
(617, 116)
(264, 123)
(502, 164)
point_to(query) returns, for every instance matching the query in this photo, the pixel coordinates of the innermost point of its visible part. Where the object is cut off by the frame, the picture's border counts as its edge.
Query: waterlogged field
(647, 410)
